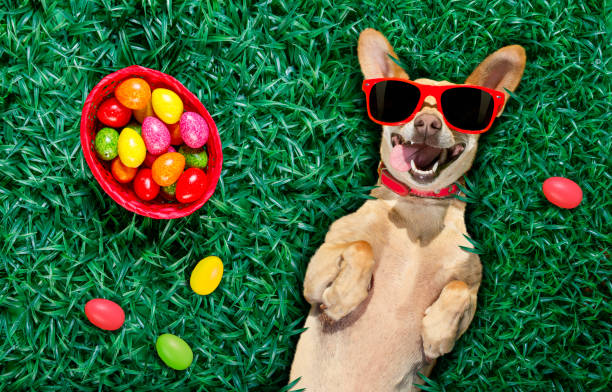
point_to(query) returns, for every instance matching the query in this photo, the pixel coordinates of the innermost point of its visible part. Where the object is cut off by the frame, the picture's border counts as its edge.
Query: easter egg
(167, 168)
(169, 192)
(562, 192)
(104, 314)
(167, 105)
(113, 114)
(155, 135)
(150, 158)
(174, 351)
(141, 114)
(144, 186)
(194, 157)
(175, 134)
(105, 143)
(122, 173)
(133, 93)
(206, 275)
(131, 147)
(191, 185)
(135, 126)
(194, 129)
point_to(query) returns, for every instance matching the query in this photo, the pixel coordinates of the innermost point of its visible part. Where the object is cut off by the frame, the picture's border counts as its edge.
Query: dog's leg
(338, 277)
(448, 318)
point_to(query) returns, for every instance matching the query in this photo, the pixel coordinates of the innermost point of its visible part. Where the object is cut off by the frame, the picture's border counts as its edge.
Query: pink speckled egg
(194, 129)
(155, 135)
(150, 158)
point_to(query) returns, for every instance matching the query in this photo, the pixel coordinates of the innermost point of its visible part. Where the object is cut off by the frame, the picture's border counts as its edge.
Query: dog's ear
(373, 51)
(500, 70)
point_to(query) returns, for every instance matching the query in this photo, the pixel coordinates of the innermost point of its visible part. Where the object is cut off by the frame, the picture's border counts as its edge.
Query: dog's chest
(417, 254)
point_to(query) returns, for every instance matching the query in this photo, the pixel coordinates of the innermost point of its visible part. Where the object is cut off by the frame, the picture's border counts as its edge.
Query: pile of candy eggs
(150, 142)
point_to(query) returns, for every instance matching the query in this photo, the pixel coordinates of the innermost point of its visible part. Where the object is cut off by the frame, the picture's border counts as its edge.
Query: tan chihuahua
(390, 288)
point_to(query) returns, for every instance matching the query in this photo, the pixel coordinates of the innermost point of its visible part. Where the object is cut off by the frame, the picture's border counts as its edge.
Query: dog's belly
(381, 350)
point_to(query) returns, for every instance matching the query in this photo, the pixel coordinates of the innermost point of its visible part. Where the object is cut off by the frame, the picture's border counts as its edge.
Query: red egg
(113, 113)
(104, 314)
(190, 185)
(144, 186)
(562, 192)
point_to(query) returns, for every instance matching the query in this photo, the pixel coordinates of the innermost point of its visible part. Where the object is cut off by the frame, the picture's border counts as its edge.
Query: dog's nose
(427, 125)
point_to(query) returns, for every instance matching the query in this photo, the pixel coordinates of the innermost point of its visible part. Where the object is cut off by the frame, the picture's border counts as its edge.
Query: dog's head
(425, 153)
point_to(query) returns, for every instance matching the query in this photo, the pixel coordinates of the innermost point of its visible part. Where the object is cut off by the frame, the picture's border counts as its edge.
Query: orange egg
(141, 114)
(168, 168)
(122, 173)
(175, 134)
(133, 93)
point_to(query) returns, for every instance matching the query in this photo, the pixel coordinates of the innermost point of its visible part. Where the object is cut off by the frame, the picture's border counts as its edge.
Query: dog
(390, 288)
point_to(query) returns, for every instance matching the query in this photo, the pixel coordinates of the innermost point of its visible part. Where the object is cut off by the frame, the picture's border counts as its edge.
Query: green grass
(282, 81)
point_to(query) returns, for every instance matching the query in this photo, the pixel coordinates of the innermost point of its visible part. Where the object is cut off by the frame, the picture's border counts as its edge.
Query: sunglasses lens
(467, 108)
(393, 100)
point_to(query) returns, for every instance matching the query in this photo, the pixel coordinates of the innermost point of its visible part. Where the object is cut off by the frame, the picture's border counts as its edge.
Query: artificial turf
(282, 81)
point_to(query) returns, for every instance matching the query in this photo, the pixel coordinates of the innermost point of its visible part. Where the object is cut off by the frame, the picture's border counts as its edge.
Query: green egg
(169, 191)
(106, 143)
(135, 126)
(194, 157)
(174, 351)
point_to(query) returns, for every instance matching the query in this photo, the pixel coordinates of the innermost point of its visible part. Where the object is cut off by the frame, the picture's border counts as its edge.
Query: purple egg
(194, 129)
(155, 135)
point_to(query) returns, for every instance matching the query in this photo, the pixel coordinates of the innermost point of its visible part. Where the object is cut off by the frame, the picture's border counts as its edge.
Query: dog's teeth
(421, 172)
(435, 166)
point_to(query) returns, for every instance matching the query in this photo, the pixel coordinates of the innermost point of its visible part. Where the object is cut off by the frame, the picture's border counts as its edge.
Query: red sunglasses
(465, 108)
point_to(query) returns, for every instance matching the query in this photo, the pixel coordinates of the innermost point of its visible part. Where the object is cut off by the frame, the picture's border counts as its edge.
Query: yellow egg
(131, 148)
(206, 275)
(167, 105)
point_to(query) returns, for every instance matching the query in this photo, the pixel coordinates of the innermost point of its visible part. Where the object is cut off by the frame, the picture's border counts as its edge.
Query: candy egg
(113, 114)
(104, 314)
(106, 143)
(194, 129)
(191, 185)
(194, 157)
(206, 275)
(141, 114)
(150, 158)
(133, 93)
(131, 147)
(135, 126)
(175, 134)
(174, 351)
(122, 173)
(167, 105)
(168, 168)
(562, 192)
(169, 192)
(156, 135)
(144, 186)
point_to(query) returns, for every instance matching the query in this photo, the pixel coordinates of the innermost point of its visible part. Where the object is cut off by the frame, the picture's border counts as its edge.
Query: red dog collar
(403, 190)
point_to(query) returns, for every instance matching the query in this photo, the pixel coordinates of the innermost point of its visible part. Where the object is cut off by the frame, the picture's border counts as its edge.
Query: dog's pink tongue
(397, 158)
(422, 154)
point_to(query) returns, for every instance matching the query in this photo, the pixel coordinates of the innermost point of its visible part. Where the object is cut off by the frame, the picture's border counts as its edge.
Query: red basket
(123, 193)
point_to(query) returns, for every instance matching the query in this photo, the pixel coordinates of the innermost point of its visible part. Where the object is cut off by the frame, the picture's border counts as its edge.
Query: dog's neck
(401, 189)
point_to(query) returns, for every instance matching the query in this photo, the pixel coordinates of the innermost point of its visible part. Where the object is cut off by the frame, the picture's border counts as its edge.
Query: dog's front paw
(438, 338)
(351, 285)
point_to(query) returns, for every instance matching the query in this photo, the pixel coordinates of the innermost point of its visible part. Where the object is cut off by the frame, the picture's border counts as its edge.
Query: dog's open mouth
(424, 162)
